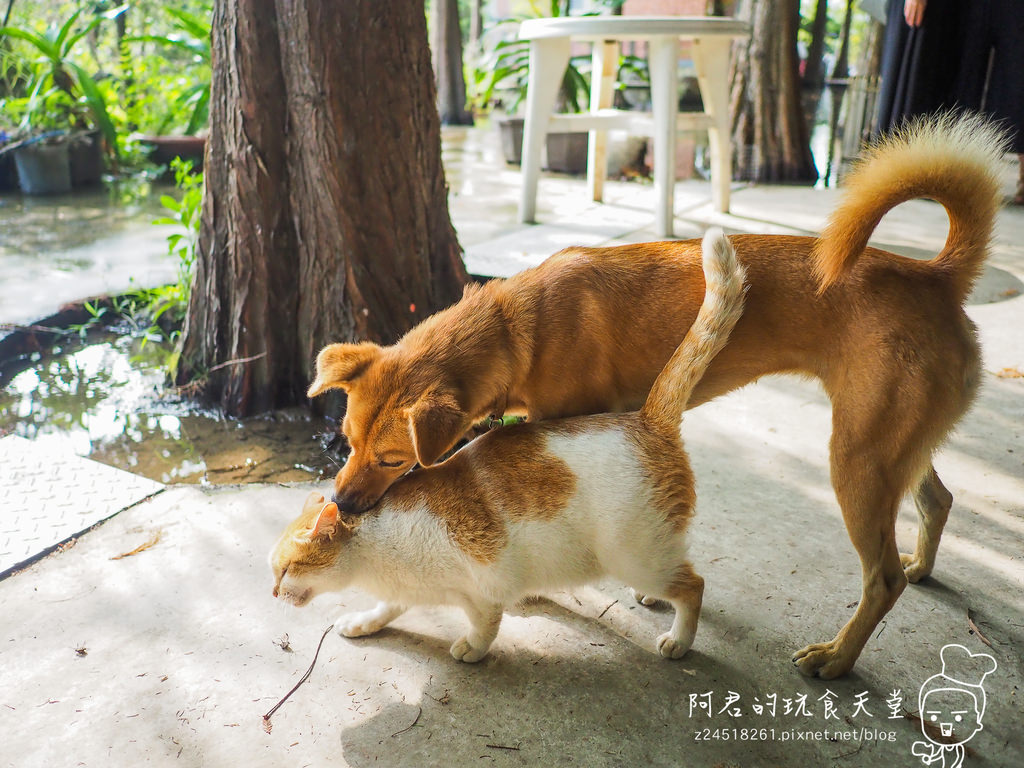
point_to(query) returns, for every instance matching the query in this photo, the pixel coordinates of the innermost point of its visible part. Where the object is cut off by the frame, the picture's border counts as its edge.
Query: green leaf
(194, 25)
(40, 43)
(201, 114)
(97, 106)
(70, 42)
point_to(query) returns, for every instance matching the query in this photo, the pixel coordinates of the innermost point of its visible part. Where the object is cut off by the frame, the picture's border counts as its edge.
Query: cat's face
(305, 558)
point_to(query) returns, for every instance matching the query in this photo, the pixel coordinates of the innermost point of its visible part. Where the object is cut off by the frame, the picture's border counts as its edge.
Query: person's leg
(1006, 81)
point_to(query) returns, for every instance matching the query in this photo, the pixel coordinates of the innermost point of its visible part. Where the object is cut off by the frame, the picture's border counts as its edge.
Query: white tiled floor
(46, 498)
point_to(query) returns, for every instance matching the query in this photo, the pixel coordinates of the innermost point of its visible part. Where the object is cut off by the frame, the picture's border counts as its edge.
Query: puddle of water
(106, 398)
(56, 224)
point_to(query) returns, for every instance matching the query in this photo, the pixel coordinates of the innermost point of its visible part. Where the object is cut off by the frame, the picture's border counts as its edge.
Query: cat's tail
(723, 304)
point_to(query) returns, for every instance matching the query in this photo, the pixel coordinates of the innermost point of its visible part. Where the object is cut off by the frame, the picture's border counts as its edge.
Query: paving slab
(48, 495)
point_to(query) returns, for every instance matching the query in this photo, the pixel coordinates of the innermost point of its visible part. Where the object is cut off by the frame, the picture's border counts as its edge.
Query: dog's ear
(338, 365)
(435, 423)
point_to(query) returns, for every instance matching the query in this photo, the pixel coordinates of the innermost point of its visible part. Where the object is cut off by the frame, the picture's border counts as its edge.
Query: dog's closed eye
(391, 464)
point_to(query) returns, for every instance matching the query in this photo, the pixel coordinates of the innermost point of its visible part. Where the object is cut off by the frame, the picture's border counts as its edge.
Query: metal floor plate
(46, 498)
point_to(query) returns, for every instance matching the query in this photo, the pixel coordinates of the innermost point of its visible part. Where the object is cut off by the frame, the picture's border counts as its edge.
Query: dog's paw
(359, 624)
(463, 650)
(824, 660)
(914, 569)
(644, 599)
(673, 647)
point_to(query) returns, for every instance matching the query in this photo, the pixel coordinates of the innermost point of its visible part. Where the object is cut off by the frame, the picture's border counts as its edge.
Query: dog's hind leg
(933, 503)
(870, 521)
(869, 487)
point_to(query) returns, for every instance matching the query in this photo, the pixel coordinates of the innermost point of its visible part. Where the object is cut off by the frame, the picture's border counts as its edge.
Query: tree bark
(476, 22)
(325, 216)
(814, 69)
(770, 133)
(446, 48)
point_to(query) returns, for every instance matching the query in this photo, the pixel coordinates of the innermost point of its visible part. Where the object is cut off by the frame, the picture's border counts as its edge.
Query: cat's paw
(359, 624)
(463, 650)
(673, 647)
(644, 599)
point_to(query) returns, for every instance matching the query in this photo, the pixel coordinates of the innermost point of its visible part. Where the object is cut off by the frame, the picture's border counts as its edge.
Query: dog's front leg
(484, 618)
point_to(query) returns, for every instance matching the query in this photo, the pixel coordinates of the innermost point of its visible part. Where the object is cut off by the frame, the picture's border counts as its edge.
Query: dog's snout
(346, 504)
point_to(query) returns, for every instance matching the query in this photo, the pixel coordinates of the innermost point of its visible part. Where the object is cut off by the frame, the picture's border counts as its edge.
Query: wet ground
(107, 397)
(61, 249)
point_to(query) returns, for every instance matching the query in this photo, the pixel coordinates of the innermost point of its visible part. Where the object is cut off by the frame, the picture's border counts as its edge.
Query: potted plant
(64, 119)
(8, 173)
(500, 77)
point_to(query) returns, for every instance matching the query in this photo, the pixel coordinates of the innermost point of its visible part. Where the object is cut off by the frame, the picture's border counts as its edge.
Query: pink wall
(664, 8)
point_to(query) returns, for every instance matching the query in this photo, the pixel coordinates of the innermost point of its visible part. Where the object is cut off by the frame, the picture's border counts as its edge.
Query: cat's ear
(338, 365)
(314, 502)
(327, 522)
(436, 422)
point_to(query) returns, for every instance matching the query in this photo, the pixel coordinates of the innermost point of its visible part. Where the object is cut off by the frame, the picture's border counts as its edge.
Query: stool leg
(663, 62)
(602, 83)
(711, 59)
(548, 59)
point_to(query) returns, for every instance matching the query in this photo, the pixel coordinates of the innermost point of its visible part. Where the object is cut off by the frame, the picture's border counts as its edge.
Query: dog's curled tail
(722, 307)
(952, 158)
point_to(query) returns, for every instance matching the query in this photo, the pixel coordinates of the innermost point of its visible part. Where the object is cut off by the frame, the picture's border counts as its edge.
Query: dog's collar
(497, 410)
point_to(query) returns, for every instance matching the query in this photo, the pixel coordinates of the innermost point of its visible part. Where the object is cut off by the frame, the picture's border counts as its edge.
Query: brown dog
(590, 329)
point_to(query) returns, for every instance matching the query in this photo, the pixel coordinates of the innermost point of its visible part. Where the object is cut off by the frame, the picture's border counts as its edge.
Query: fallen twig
(238, 361)
(399, 733)
(502, 746)
(266, 718)
(974, 628)
(601, 616)
(850, 754)
(140, 548)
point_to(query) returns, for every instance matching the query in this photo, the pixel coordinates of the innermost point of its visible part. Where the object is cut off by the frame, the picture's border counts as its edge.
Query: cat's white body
(530, 508)
(603, 529)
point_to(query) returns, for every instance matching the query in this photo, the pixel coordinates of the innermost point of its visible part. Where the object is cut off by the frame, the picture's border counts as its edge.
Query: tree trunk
(446, 47)
(325, 215)
(814, 69)
(770, 132)
(812, 81)
(476, 22)
(841, 69)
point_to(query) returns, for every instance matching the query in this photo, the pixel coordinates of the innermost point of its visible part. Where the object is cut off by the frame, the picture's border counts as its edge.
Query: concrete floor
(172, 655)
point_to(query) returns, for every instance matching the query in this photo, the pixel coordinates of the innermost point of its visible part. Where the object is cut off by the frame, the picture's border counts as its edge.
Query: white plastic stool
(550, 40)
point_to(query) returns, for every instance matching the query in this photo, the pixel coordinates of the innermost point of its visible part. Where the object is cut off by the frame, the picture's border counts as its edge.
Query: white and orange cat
(531, 507)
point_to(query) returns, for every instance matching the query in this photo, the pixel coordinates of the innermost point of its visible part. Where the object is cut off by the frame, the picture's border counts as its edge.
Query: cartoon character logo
(952, 704)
